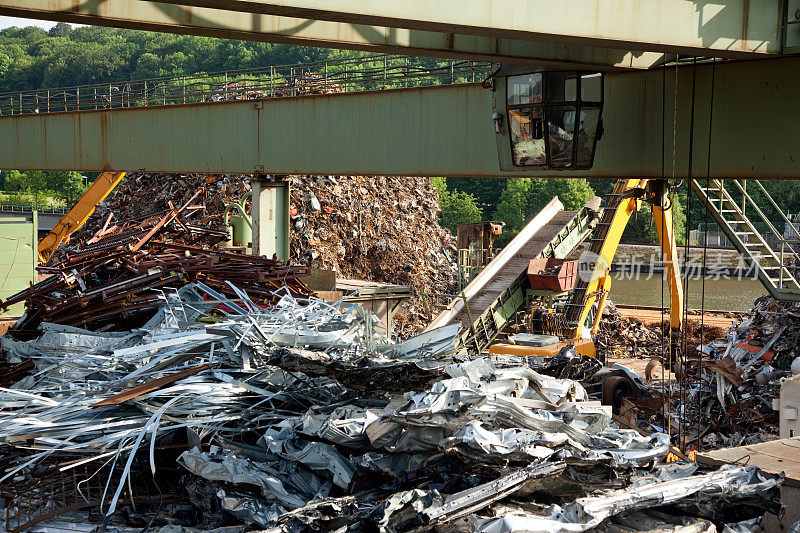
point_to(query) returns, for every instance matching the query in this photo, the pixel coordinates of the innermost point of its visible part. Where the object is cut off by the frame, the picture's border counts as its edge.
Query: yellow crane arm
(595, 287)
(662, 218)
(80, 213)
(595, 281)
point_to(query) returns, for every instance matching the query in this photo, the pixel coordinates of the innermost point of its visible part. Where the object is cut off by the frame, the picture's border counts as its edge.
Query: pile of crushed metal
(376, 229)
(299, 416)
(723, 384)
(380, 229)
(117, 277)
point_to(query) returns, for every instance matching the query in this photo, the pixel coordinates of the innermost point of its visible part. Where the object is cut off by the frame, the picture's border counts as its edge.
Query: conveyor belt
(495, 294)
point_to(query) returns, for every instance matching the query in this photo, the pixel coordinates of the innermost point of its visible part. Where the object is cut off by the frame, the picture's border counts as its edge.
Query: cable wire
(705, 253)
(684, 378)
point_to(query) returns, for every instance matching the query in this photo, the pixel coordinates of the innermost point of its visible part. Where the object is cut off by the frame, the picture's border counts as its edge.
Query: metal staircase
(737, 213)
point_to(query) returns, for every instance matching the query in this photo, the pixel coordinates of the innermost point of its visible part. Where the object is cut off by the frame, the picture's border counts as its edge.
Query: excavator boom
(100, 188)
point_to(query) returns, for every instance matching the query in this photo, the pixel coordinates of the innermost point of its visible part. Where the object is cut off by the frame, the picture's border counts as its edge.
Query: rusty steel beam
(436, 131)
(732, 28)
(173, 18)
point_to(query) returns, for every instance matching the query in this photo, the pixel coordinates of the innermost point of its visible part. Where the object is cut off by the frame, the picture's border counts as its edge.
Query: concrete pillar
(270, 216)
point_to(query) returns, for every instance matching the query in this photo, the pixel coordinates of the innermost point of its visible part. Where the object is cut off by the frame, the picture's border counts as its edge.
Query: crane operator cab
(549, 120)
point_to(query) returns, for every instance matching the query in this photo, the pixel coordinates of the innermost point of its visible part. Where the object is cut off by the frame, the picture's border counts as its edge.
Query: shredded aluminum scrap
(424, 439)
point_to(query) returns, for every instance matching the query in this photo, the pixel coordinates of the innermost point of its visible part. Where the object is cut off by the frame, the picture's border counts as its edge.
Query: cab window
(554, 118)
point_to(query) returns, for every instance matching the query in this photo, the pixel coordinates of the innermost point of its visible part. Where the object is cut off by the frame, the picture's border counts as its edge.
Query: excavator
(575, 323)
(77, 216)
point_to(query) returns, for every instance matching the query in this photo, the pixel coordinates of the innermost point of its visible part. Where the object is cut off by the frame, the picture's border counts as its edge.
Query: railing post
(744, 197)
(110, 101)
(291, 81)
(48, 100)
(145, 93)
(405, 71)
(20, 103)
(95, 97)
(272, 81)
(384, 71)
(183, 83)
(326, 75)
(345, 77)
(65, 100)
(452, 73)
(78, 98)
(225, 92)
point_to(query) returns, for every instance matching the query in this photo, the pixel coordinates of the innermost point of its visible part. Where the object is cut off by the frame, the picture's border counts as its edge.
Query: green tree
(440, 184)
(456, 207)
(573, 193)
(32, 183)
(62, 29)
(486, 191)
(64, 186)
(512, 208)
(523, 198)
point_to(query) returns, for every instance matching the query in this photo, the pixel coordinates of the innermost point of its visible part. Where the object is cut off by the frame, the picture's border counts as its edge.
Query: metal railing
(27, 208)
(372, 72)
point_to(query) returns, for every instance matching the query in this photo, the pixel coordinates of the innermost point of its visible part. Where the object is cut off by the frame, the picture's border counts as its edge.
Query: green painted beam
(726, 28)
(435, 131)
(171, 18)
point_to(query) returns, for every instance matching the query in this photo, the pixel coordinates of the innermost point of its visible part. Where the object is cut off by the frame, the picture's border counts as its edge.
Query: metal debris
(208, 406)
(371, 228)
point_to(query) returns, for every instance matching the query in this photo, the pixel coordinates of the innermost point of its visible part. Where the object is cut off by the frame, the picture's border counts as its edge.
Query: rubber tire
(615, 388)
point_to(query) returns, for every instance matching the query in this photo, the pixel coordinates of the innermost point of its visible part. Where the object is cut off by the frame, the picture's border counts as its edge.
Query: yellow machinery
(580, 319)
(79, 214)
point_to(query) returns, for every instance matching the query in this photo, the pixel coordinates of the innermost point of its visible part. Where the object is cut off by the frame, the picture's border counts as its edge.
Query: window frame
(546, 108)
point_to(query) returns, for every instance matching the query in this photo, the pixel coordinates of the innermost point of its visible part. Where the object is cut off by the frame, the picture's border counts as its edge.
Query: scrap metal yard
(453, 272)
(157, 379)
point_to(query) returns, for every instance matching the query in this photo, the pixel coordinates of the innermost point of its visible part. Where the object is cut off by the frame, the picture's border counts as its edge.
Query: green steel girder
(172, 18)
(727, 28)
(435, 131)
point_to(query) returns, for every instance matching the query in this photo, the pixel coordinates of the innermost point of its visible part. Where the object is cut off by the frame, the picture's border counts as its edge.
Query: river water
(720, 294)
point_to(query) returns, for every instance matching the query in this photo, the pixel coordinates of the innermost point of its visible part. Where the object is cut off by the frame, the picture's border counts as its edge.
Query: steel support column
(270, 216)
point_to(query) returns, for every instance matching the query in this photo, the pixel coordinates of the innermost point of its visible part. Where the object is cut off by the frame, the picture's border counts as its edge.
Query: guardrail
(345, 75)
(23, 208)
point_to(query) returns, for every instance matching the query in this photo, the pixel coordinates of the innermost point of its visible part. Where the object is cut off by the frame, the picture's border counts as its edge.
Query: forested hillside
(33, 58)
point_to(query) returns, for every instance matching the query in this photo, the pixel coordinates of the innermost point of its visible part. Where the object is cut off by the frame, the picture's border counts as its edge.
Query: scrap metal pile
(722, 390)
(301, 416)
(116, 278)
(380, 229)
(377, 229)
(621, 336)
(740, 374)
